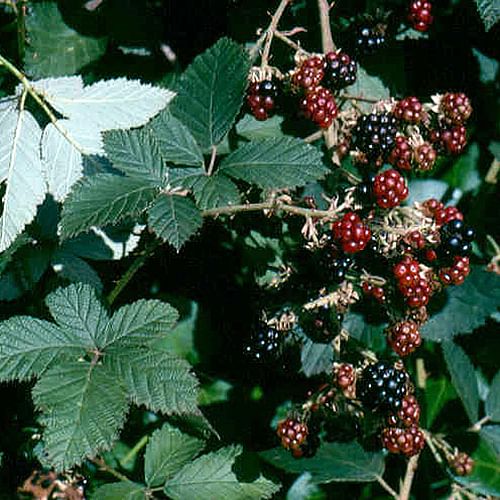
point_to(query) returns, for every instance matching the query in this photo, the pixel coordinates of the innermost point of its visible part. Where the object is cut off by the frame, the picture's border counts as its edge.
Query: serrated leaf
(62, 161)
(437, 393)
(488, 67)
(21, 169)
(367, 86)
(83, 407)
(174, 219)
(73, 268)
(211, 91)
(316, 357)
(491, 434)
(489, 11)
(214, 392)
(492, 404)
(125, 490)
(154, 378)
(275, 163)
(104, 199)
(77, 309)
(332, 462)
(463, 377)
(28, 346)
(464, 174)
(136, 154)
(468, 307)
(211, 476)
(139, 323)
(175, 141)
(304, 488)
(215, 191)
(369, 334)
(54, 48)
(110, 104)
(250, 128)
(167, 452)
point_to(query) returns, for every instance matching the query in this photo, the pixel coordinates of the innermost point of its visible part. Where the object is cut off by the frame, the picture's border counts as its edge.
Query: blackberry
(262, 98)
(404, 337)
(456, 108)
(340, 70)
(408, 415)
(420, 15)
(293, 435)
(265, 343)
(339, 267)
(408, 441)
(382, 387)
(456, 240)
(368, 39)
(424, 156)
(462, 464)
(456, 274)
(320, 106)
(375, 134)
(409, 110)
(390, 188)
(401, 155)
(310, 73)
(377, 292)
(452, 141)
(345, 375)
(351, 233)
(364, 192)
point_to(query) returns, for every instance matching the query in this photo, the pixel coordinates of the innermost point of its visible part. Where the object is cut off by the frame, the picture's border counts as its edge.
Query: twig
(477, 426)
(411, 468)
(315, 136)
(387, 487)
(213, 157)
(106, 468)
(349, 97)
(284, 38)
(326, 30)
(271, 31)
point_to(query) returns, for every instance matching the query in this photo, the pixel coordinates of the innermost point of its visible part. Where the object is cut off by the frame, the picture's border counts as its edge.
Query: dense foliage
(249, 254)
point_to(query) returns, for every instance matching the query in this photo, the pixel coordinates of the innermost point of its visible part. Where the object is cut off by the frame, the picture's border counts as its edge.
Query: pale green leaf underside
(125, 490)
(78, 311)
(215, 191)
(21, 169)
(174, 219)
(463, 377)
(167, 452)
(139, 323)
(211, 476)
(211, 91)
(83, 408)
(155, 379)
(135, 153)
(175, 141)
(104, 199)
(275, 163)
(55, 49)
(28, 346)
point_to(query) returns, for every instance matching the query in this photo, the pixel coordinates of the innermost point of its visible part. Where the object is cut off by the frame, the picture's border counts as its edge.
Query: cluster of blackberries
(265, 343)
(262, 98)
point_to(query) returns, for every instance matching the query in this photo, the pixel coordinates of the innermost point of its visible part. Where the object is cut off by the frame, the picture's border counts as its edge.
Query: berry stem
(284, 38)
(411, 468)
(326, 30)
(387, 487)
(270, 32)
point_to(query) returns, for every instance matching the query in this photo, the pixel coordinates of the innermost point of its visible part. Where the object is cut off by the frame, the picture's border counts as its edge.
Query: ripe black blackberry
(340, 70)
(368, 38)
(456, 240)
(375, 134)
(382, 387)
(262, 98)
(265, 343)
(339, 267)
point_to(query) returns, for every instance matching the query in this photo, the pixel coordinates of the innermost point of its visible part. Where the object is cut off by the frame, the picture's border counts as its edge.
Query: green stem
(134, 451)
(99, 462)
(129, 274)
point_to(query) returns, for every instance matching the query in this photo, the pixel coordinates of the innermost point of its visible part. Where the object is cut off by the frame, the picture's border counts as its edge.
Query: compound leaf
(83, 407)
(275, 163)
(174, 219)
(211, 91)
(104, 199)
(211, 476)
(167, 452)
(54, 48)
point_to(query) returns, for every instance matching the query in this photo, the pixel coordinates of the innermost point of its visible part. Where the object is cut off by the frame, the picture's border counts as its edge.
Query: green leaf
(367, 86)
(369, 334)
(214, 392)
(316, 357)
(332, 462)
(167, 452)
(175, 141)
(136, 154)
(465, 175)
(29, 346)
(215, 191)
(250, 128)
(54, 48)
(492, 404)
(125, 490)
(72, 268)
(304, 488)
(104, 199)
(211, 476)
(468, 307)
(488, 67)
(83, 407)
(139, 323)
(463, 377)
(491, 434)
(174, 219)
(275, 163)
(154, 378)
(489, 11)
(437, 393)
(423, 189)
(78, 311)
(211, 91)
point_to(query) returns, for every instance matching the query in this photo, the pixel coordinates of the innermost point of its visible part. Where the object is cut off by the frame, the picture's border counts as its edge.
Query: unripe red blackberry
(375, 134)
(456, 108)
(390, 189)
(293, 433)
(377, 292)
(409, 413)
(310, 73)
(261, 98)
(420, 15)
(401, 155)
(454, 140)
(351, 233)
(412, 286)
(409, 110)
(443, 215)
(425, 156)
(407, 441)
(415, 239)
(320, 106)
(404, 337)
(456, 274)
(345, 375)
(462, 464)
(340, 70)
